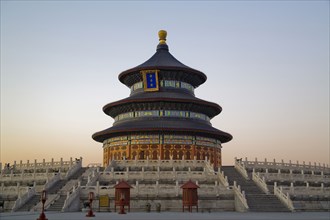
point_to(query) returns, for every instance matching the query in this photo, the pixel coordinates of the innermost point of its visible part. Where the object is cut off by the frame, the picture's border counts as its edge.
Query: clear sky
(267, 65)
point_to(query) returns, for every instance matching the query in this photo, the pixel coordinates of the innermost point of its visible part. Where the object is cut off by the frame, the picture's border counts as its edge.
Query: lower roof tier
(161, 125)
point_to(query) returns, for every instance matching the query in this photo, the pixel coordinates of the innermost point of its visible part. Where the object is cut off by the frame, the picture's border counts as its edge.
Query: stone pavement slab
(170, 216)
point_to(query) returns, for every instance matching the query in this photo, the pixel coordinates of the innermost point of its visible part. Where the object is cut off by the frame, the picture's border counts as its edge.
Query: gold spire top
(162, 36)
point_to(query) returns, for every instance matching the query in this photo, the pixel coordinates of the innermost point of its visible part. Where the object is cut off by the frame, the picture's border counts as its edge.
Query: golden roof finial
(162, 36)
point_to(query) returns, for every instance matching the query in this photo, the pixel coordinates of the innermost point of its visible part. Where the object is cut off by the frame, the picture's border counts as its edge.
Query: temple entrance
(141, 155)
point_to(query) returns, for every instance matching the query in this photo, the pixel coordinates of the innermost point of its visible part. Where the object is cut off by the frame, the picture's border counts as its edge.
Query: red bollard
(90, 212)
(43, 200)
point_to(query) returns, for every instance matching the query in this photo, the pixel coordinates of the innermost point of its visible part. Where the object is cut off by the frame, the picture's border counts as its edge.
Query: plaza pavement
(170, 216)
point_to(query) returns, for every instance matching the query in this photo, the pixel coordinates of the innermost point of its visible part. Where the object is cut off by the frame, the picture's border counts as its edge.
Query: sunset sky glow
(267, 65)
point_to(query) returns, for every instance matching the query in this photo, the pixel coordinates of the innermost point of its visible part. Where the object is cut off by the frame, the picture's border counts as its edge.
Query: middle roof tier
(162, 101)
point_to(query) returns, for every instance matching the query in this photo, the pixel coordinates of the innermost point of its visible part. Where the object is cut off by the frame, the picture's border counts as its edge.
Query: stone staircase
(257, 200)
(58, 204)
(30, 203)
(57, 189)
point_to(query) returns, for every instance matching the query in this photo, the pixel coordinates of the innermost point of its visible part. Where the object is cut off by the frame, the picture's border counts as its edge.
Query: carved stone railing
(72, 201)
(74, 168)
(20, 167)
(240, 167)
(155, 163)
(52, 181)
(92, 178)
(23, 199)
(296, 176)
(222, 178)
(240, 199)
(285, 198)
(260, 182)
(288, 166)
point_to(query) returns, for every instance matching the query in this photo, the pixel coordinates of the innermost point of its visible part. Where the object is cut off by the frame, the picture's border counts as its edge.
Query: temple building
(162, 118)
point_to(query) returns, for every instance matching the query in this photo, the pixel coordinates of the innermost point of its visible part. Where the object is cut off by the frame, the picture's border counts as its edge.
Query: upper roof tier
(163, 60)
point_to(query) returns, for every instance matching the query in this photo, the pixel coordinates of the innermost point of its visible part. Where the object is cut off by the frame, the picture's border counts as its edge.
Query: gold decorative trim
(145, 84)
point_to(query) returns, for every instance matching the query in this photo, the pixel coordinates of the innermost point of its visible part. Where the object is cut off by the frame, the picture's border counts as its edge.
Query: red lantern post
(122, 204)
(43, 200)
(90, 212)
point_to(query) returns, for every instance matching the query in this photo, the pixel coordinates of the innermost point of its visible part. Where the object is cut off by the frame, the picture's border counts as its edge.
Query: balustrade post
(307, 184)
(35, 165)
(315, 165)
(157, 188)
(282, 161)
(27, 163)
(18, 192)
(43, 163)
(126, 173)
(21, 164)
(256, 161)
(113, 172)
(177, 188)
(290, 164)
(274, 162)
(287, 198)
(266, 170)
(71, 162)
(291, 187)
(22, 174)
(137, 186)
(61, 163)
(14, 166)
(265, 161)
(0, 168)
(142, 173)
(98, 187)
(52, 162)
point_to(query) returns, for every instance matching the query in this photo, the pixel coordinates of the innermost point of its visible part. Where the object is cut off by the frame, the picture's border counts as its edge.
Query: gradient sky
(267, 65)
